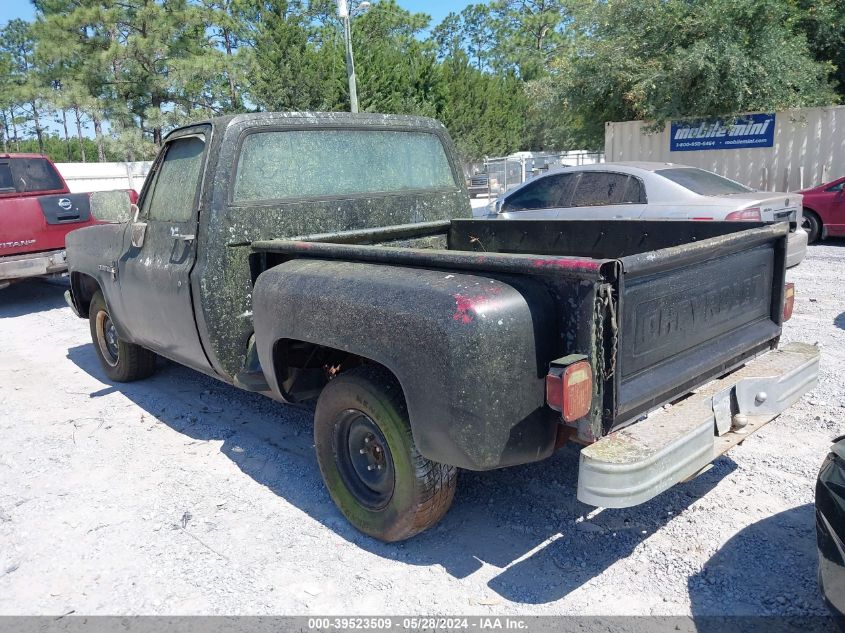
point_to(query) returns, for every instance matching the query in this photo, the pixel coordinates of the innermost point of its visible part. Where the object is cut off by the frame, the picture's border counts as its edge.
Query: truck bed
(671, 305)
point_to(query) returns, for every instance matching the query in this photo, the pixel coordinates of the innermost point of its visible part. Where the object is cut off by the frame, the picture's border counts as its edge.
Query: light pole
(344, 13)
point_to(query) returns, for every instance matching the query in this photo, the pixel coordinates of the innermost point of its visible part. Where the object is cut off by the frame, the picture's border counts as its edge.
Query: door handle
(184, 238)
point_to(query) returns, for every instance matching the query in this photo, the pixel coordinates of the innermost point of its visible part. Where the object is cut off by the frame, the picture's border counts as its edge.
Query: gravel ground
(181, 495)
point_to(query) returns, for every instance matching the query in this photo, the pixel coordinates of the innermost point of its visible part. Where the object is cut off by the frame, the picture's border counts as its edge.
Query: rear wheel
(813, 225)
(122, 361)
(371, 466)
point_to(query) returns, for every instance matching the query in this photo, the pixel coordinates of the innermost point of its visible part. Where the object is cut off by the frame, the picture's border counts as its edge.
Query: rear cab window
(29, 175)
(704, 183)
(294, 164)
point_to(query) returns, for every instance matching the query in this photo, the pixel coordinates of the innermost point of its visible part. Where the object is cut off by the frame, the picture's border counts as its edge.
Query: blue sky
(437, 9)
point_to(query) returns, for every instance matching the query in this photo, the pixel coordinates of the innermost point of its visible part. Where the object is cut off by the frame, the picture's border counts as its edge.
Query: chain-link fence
(494, 176)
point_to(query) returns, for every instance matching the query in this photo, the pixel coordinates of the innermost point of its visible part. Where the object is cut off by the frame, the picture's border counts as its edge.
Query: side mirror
(112, 207)
(139, 229)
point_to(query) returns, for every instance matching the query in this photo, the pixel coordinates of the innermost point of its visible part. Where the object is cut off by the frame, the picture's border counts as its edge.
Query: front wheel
(813, 225)
(369, 461)
(122, 361)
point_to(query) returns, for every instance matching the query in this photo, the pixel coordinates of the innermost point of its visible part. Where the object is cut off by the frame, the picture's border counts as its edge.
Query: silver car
(649, 191)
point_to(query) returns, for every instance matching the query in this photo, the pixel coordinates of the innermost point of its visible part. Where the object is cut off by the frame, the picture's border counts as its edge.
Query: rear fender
(471, 352)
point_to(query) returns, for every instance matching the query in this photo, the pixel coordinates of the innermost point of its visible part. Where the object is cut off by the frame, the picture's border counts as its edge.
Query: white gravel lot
(181, 495)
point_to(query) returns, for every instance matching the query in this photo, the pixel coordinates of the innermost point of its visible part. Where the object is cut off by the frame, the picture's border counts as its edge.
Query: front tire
(813, 225)
(369, 461)
(120, 360)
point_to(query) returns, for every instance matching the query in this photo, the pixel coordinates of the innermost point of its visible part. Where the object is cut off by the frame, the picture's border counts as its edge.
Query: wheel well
(815, 213)
(84, 288)
(303, 369)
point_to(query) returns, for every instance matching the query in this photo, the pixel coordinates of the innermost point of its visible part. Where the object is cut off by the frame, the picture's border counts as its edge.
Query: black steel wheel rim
(363, 459)
(107, 339)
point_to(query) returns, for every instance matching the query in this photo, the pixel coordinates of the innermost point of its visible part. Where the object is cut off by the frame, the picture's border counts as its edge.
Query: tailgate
(30, 224)
(690, 313)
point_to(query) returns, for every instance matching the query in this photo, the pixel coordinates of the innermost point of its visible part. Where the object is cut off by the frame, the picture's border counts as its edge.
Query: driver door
(161, 248)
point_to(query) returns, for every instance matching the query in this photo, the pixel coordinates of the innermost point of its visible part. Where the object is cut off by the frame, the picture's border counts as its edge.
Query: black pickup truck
(330, 259)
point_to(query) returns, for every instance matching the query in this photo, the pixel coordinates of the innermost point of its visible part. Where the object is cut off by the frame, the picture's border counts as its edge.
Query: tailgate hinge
(606, 317)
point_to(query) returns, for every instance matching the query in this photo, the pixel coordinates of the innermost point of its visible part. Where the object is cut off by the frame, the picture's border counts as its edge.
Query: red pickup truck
(37, 211)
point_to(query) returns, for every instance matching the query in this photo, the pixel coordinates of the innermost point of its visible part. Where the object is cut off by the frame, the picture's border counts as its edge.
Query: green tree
(285, 67)
(59, 150)
(823, 23)
(484, 113)
(228, 22)
(7, 101)
(662, 59)
(83, 67)
(160, 57)
(529, 34)
(396, 69)
(26, 85)
(473, 30)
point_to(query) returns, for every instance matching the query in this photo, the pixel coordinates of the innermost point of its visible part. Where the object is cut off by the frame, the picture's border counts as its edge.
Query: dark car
(824, 210)
(830, 529)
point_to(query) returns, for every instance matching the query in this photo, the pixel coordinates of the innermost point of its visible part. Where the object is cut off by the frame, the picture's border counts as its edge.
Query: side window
(837, 187)
(599, 189)
(635, 192)
(544, 193)
(172, 196)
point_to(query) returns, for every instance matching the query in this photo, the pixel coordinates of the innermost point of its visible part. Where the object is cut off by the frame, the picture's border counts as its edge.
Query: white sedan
(649, 191)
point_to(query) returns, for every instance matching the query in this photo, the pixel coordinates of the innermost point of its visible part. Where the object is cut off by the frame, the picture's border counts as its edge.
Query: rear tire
(120, 360)
(369, 461)
(813, 225)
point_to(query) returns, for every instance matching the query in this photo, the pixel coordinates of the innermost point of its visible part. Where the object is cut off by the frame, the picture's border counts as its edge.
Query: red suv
(824, 210)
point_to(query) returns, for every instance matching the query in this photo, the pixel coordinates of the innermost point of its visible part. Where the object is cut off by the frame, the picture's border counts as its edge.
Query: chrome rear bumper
(796, 248)
(640, 461)
(34, 265)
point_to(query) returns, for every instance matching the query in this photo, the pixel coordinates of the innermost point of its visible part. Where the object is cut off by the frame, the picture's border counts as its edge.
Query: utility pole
(345, 14)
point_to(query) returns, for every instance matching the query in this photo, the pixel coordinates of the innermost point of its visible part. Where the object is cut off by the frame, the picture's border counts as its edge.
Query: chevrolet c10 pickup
(330, 260)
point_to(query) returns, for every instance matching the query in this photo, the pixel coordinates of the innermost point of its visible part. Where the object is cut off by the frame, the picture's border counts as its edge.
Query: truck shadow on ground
(525, 520)
(752, 566)
(27, 297)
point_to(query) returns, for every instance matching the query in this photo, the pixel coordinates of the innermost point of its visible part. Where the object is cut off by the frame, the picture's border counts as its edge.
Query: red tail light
(788, 301)
(746, 215)
(570, 390)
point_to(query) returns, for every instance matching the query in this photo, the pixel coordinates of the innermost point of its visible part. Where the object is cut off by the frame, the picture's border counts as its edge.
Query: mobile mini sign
(750, 130)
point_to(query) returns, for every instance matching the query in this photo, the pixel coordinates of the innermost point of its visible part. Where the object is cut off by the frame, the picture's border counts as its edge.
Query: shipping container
(807, 146)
